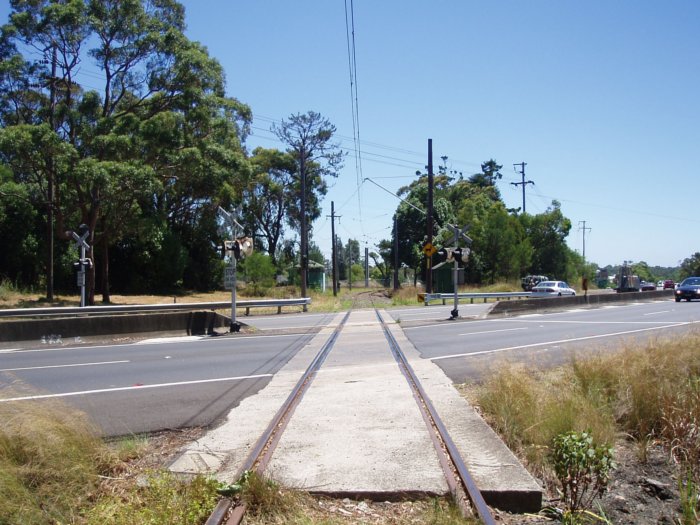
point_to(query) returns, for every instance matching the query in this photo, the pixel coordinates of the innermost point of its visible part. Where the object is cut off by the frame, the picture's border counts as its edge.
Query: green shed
(442, 278)
(317, 276)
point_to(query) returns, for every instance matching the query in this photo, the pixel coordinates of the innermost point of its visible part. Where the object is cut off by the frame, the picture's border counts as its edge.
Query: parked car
(646, 287)
(669, 284)
(552, 288)
(689, 289)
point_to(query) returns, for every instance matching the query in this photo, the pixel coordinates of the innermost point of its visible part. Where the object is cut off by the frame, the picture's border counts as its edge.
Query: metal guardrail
(428, 297)
(57, 311)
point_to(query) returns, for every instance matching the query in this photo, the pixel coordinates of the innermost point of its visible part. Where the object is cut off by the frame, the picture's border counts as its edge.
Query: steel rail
(261, 452)
(58, 311)
(477, 499)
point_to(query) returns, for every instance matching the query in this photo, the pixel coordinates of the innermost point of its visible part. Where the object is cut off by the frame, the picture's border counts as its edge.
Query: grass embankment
(13, 297)
(648, 394)
(55, 470)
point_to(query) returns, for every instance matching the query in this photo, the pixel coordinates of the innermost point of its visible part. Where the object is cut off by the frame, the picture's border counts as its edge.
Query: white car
(552, 288)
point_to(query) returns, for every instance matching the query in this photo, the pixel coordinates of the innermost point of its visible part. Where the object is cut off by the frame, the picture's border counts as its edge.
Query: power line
(352, 65)
(377, 145)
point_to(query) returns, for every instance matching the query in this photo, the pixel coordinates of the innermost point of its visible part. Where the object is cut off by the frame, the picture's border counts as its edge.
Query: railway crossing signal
(236, 249)
(84, 263)
(457, 254)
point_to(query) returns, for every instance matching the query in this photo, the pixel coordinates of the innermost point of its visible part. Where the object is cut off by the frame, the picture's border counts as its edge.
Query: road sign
(80, 240)
(229, 277)
(429, 249)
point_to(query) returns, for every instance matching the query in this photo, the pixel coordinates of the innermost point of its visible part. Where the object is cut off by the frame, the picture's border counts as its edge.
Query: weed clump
(50, 460)
(54, 468)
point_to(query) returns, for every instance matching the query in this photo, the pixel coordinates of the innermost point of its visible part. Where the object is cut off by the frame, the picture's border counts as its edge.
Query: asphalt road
(184, 382)
(468, 350)
(127, 389)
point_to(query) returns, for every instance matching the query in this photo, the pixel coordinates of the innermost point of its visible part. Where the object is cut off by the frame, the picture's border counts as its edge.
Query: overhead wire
(354, 105)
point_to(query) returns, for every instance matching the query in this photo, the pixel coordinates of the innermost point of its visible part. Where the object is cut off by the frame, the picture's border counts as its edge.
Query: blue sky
(599, 98)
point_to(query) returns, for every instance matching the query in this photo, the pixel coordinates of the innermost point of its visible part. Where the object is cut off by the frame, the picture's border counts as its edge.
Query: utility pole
(583, 228)
(524, 182)
(334, 254)
(366, 266)
(429, 257)
(303, 263)
(396, 251)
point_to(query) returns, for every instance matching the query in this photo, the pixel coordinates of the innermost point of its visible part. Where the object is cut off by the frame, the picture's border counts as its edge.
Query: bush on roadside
(583, 469)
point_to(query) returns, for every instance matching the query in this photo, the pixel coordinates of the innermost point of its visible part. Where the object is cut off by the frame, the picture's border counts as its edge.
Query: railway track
(461, 485)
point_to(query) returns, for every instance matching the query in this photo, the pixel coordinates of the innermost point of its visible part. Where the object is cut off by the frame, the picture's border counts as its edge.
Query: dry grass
(50, 462)
(649, 393)
(11, 297)
(54, 469)
(270, 504)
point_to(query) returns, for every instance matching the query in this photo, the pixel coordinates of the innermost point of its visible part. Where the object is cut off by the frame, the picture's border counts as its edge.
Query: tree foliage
(143, 154)
(690, 266)
(505, 245)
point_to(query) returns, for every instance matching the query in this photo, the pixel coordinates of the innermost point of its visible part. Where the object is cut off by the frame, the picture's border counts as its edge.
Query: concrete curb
(546, 304)
(189, 323)
(223, 450)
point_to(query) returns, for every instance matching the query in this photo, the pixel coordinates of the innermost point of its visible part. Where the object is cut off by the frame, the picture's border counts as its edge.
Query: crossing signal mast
(84, 263)
(235, 250)
(456, 255)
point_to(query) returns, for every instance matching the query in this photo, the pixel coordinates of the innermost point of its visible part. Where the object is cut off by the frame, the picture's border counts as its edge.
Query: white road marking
(62, 366)
(494, 331)
(575, 339)
(564, 321)
(178, 339)
(126, 388)
(152, 341)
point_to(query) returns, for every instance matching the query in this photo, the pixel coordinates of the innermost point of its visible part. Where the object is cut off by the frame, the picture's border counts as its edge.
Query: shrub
(259, 272)
(582, 467)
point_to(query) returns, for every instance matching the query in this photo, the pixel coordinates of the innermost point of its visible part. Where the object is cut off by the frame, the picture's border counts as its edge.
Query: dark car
(646, 287)
(529, 281)
(689, 289)
(669, 284)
